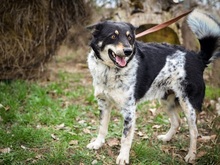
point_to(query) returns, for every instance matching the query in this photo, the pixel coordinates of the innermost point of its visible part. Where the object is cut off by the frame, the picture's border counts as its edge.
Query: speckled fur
(152, 71)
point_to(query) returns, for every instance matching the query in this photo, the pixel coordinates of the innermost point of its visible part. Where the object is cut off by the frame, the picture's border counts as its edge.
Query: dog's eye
(113, 37)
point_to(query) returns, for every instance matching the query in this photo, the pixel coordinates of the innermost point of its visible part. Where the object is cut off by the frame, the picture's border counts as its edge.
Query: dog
(126, 72)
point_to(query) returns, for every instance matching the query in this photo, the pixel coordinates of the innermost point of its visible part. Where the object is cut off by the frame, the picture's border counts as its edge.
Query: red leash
(163, 25)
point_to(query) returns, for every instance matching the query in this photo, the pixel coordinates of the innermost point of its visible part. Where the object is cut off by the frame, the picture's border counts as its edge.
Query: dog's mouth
(119, 61)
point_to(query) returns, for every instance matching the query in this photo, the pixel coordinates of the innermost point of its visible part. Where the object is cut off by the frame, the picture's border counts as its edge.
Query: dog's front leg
(127, 136)
(105, 110)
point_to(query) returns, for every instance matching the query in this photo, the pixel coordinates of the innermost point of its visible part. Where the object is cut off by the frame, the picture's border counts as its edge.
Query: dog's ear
(95, 27)
(91, 27)
(133, 28)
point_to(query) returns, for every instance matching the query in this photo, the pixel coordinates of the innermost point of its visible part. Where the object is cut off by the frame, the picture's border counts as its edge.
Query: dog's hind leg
(173, 114)
(190, 114)
(127, 136)
(105, 110)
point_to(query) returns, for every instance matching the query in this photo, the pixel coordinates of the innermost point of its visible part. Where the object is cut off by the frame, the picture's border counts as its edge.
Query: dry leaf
(140, 134)
(7, 108)
(72, 133)
(81, 121)
(116, 120)
(94, 162)
(87, 131)
(177, 155)
(205, 139)
(65, 104)
(156, 126)
(145, 137)
(93, 121)
(23, 147)
(201, 154)
(39, 156)
(5, 150)
(110, 153)
(38, 126)
(113, 142)
(167, 148)
(153, 111)
(61, 126)
(54, 137)
(1, 106)
(74, 142)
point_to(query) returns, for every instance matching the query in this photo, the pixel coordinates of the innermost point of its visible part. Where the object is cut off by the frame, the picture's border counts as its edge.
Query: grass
(212, 92)
(52, 122)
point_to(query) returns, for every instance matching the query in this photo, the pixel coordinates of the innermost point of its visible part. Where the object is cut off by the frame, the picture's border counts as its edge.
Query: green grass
(212, 92)
(38, 120)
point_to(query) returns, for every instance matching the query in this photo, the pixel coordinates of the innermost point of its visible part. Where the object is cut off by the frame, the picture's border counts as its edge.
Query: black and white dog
(126, 71)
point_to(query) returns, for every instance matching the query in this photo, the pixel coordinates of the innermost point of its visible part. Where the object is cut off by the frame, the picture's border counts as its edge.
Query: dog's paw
(190, 158)
(164, 138)
(122, 159)
(95, 144)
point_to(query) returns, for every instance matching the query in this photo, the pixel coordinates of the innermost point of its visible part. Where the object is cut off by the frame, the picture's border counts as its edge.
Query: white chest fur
(114, 84)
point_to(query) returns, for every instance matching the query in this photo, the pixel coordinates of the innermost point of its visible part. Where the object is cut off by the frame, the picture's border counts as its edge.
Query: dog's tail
(207, 30)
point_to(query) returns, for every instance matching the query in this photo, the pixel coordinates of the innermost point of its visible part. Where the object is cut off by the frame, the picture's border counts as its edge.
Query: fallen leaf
(113, 142)
(201, 154)
(156, 126)
(74, 142)
(140, 134)
(116, 120)
(38, 126)
(81, 121)
(54, 137)
(60, 126)
(23, 147)
(87, 131)
(153, 104)
(1, 106)
(167, 148)
(213, 137)
(7, 108)
(110, 152)
(65, 104)
(177, 155)
(5, 150)
(145, 137)
(153, 111)
(29, 160)
(72, 133)
(205, 139)
(94, 162)
(39, 156)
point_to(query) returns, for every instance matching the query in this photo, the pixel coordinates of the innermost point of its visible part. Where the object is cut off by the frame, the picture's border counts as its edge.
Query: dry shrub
(32, 30)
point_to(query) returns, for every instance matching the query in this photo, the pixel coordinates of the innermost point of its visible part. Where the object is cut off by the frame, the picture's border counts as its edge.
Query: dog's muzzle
(119, 60)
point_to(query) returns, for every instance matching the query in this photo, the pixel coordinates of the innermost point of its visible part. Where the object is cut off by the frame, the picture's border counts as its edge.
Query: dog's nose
(127, 51)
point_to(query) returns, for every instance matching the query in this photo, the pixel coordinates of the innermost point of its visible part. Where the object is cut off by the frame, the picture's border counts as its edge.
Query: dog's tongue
(121, 61)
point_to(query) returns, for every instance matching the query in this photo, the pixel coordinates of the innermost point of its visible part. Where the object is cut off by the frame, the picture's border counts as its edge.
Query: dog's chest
(112, 83)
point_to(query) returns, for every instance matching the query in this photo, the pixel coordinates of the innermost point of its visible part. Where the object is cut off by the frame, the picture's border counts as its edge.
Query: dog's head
(113, 42)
